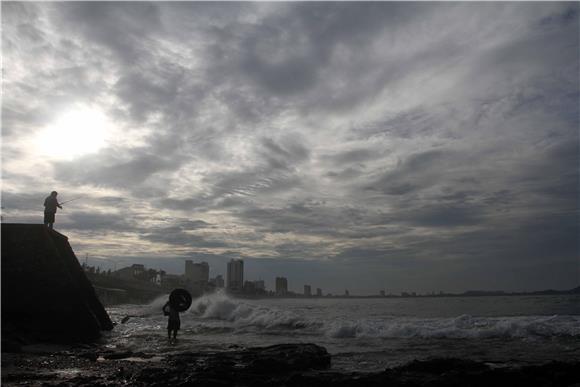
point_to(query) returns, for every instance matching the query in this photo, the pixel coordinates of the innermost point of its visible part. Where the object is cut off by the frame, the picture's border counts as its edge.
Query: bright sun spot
(75, 133)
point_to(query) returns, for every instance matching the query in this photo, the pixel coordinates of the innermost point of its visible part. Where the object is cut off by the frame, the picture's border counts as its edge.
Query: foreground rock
(45, 293)
(292, 365)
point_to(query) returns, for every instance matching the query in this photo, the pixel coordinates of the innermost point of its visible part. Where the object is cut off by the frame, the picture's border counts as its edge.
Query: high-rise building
(318, 292)
(260, 285)
(217, 282)
(196, 276)
(235, 275)
(307, 290)
(281, 286)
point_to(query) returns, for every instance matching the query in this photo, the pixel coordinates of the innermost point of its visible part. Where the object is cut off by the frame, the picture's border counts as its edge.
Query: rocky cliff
(45, 293)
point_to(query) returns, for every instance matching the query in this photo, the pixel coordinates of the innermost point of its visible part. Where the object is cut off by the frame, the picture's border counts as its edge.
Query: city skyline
(405, 146)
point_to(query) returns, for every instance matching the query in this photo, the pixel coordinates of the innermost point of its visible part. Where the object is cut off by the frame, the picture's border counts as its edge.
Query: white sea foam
(464, 326)
(240, 316)
(221, 307)
(244, 315)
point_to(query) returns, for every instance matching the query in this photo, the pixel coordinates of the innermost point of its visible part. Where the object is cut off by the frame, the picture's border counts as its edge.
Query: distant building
(281, 286)
(382, 293)
(307, 291)
(133, 272)
(173, 281)
(346, 293)
(196, 276)
(318, 292)
(260, 285)
(249, 287)
(235, 275)
(218, 281)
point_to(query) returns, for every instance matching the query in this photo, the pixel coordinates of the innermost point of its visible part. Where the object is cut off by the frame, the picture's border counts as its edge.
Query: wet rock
(288, 357)
(249, 367)
(440, 366)
(117, 355)
(264, 360)
(91, 355)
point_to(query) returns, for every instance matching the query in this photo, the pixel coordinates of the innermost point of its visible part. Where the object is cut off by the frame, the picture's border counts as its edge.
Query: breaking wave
(461, 327)
(220, 307)
(242, 316)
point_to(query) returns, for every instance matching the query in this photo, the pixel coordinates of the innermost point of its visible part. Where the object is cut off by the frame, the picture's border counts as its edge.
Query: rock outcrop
(284, 365)
(45, 293)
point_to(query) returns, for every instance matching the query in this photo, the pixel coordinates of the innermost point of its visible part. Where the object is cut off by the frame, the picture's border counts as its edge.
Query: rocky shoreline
(299, 365)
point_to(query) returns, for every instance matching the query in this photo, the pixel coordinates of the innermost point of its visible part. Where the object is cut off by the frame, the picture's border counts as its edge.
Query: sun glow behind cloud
(76, 132)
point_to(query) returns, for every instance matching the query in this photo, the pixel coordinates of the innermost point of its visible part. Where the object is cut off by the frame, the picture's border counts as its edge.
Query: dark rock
(45, 293)
(289, 357)
(117, 355)
(238, 368)
(440, 366)
(91, 355)
(11, 344)
(262, 360)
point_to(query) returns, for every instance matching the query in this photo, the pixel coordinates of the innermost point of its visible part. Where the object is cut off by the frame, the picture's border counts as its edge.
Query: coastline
(282, 365)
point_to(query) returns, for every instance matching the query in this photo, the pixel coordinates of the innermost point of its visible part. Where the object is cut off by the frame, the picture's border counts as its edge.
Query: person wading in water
(50, 205)
(173, 323)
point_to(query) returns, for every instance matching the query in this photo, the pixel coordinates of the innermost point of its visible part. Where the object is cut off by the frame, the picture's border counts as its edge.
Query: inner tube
(180, 300)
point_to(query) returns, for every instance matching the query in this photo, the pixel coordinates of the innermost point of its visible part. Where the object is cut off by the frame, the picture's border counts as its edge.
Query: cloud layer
(396, 146)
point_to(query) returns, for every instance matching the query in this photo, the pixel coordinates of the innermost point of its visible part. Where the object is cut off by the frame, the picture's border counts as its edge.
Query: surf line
(180, 299)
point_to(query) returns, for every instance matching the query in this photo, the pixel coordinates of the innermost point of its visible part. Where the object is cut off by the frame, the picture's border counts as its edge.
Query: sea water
(366, 334)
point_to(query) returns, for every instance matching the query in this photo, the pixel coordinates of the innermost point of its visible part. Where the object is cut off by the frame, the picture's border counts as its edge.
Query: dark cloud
(422, 170)
(121, 28)
(180, 234)
(283, 155)
(443, 216)
(125, 171)
(354, 156)
(94, 221)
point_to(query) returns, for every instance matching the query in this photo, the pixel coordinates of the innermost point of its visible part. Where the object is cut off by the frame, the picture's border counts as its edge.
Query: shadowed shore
(278, 365)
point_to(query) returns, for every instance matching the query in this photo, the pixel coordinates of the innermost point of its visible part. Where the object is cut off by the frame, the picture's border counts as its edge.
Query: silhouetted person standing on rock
(50, 204)
(174, 322)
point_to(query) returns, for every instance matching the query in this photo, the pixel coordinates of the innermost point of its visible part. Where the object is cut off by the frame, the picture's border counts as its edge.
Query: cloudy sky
(362, 146)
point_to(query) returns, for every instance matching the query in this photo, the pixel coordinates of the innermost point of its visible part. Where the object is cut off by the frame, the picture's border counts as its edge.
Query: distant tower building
(281, 286)
(260, 285)
(382, 293)
(249, 287)
(235, 276)
(346, 293)
(318, 292)
(217, 282)
(307, 291)
(196, 276)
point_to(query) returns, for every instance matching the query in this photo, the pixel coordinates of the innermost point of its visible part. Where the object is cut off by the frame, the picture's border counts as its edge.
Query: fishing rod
(68, 201)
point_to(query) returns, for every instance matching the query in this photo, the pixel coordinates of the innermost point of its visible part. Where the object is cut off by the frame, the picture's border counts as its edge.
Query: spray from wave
(219, 306)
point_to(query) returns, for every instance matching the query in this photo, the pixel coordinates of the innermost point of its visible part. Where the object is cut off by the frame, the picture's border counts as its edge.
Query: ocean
(366, 334)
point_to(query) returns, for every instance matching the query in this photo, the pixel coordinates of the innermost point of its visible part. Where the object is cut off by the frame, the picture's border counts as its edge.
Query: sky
(394, 146)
